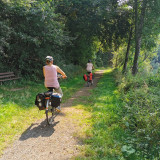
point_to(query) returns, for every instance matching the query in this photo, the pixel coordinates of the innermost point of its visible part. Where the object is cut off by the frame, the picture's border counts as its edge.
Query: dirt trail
(55, 142)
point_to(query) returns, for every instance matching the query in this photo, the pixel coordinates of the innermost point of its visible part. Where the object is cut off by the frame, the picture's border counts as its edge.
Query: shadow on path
(36, 130)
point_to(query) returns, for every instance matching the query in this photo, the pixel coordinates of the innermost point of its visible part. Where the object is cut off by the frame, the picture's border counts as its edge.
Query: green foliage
(70, 32)
(141, 99)
(103, 59)
(87, 20)
(30, 33)
(79, 27)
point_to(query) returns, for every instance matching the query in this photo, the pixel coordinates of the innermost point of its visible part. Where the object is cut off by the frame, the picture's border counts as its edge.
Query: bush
(141, 97)
(29, 33)
(72, 70)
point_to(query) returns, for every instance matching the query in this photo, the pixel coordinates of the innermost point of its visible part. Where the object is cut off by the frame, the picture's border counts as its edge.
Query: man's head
(49, 59)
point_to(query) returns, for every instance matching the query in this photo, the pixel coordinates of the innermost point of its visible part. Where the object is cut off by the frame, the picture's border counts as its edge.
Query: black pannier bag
(55, 100)
(40, 101)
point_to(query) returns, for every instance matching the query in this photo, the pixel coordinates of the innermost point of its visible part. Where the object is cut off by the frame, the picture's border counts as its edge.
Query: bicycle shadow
(36, 130)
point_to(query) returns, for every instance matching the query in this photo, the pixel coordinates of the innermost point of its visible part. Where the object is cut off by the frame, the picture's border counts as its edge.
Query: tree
(139, 21)
(145, 21)
(127, 52)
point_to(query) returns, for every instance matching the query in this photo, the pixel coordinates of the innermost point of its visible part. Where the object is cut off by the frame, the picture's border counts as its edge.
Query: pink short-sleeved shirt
(51, 80)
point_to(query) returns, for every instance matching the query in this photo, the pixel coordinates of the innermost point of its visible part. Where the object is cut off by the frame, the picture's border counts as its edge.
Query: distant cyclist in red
(89, 69)
(50, 75)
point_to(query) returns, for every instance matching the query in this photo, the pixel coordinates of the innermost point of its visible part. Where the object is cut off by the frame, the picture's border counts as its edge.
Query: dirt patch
(54, 142)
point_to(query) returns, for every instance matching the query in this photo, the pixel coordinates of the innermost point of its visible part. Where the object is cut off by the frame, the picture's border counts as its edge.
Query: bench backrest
(6, 74)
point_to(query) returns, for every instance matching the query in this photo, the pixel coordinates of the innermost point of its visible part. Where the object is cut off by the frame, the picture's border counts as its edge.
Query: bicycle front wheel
(50, 115)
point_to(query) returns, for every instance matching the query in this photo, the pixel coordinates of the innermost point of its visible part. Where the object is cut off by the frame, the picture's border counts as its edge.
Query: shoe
(58, 109)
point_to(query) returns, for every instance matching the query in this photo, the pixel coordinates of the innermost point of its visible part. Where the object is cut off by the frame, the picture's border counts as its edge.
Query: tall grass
(17, 109)
(141, 109)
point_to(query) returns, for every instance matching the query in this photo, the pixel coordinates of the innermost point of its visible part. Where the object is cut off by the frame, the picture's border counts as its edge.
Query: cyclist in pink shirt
(50, 75)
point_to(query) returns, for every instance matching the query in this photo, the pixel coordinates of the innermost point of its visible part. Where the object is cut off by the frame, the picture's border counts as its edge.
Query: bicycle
(89, 80)
(49, 101)
(52, 102)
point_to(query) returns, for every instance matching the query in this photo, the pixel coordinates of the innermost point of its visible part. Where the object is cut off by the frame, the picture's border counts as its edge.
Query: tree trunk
(127, 52)
(138, 33)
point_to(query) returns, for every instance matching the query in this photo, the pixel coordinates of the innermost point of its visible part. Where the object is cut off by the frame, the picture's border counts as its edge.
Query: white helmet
(49, 58)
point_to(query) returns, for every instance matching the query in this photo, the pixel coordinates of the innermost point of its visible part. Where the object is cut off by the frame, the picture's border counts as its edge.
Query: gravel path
(54, 142)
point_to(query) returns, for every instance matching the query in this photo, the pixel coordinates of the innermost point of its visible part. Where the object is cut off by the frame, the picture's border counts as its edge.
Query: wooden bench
(6, 76)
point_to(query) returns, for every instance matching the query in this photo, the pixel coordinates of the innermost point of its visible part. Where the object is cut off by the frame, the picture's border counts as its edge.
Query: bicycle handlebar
(59, 76)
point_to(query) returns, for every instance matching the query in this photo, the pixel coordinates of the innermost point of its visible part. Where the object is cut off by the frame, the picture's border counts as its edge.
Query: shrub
(141, 97)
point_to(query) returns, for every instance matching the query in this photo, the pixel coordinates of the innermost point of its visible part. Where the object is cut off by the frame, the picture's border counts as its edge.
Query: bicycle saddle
(48, 94)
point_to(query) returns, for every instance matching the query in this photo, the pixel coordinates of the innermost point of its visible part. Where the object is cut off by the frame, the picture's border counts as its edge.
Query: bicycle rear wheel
(50, 115)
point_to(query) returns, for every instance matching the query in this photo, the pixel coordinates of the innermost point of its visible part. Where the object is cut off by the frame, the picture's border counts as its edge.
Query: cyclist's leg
(50, 89)
(59, 90)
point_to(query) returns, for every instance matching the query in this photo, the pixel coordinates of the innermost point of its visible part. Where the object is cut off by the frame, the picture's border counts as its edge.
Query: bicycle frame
(47, 102)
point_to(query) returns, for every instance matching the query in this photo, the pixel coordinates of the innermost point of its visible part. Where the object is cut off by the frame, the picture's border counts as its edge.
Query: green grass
(17, 109)
(108, 128)
(102, 132)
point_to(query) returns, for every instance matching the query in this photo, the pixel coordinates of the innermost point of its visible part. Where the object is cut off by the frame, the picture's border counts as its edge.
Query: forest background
(123, 34)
